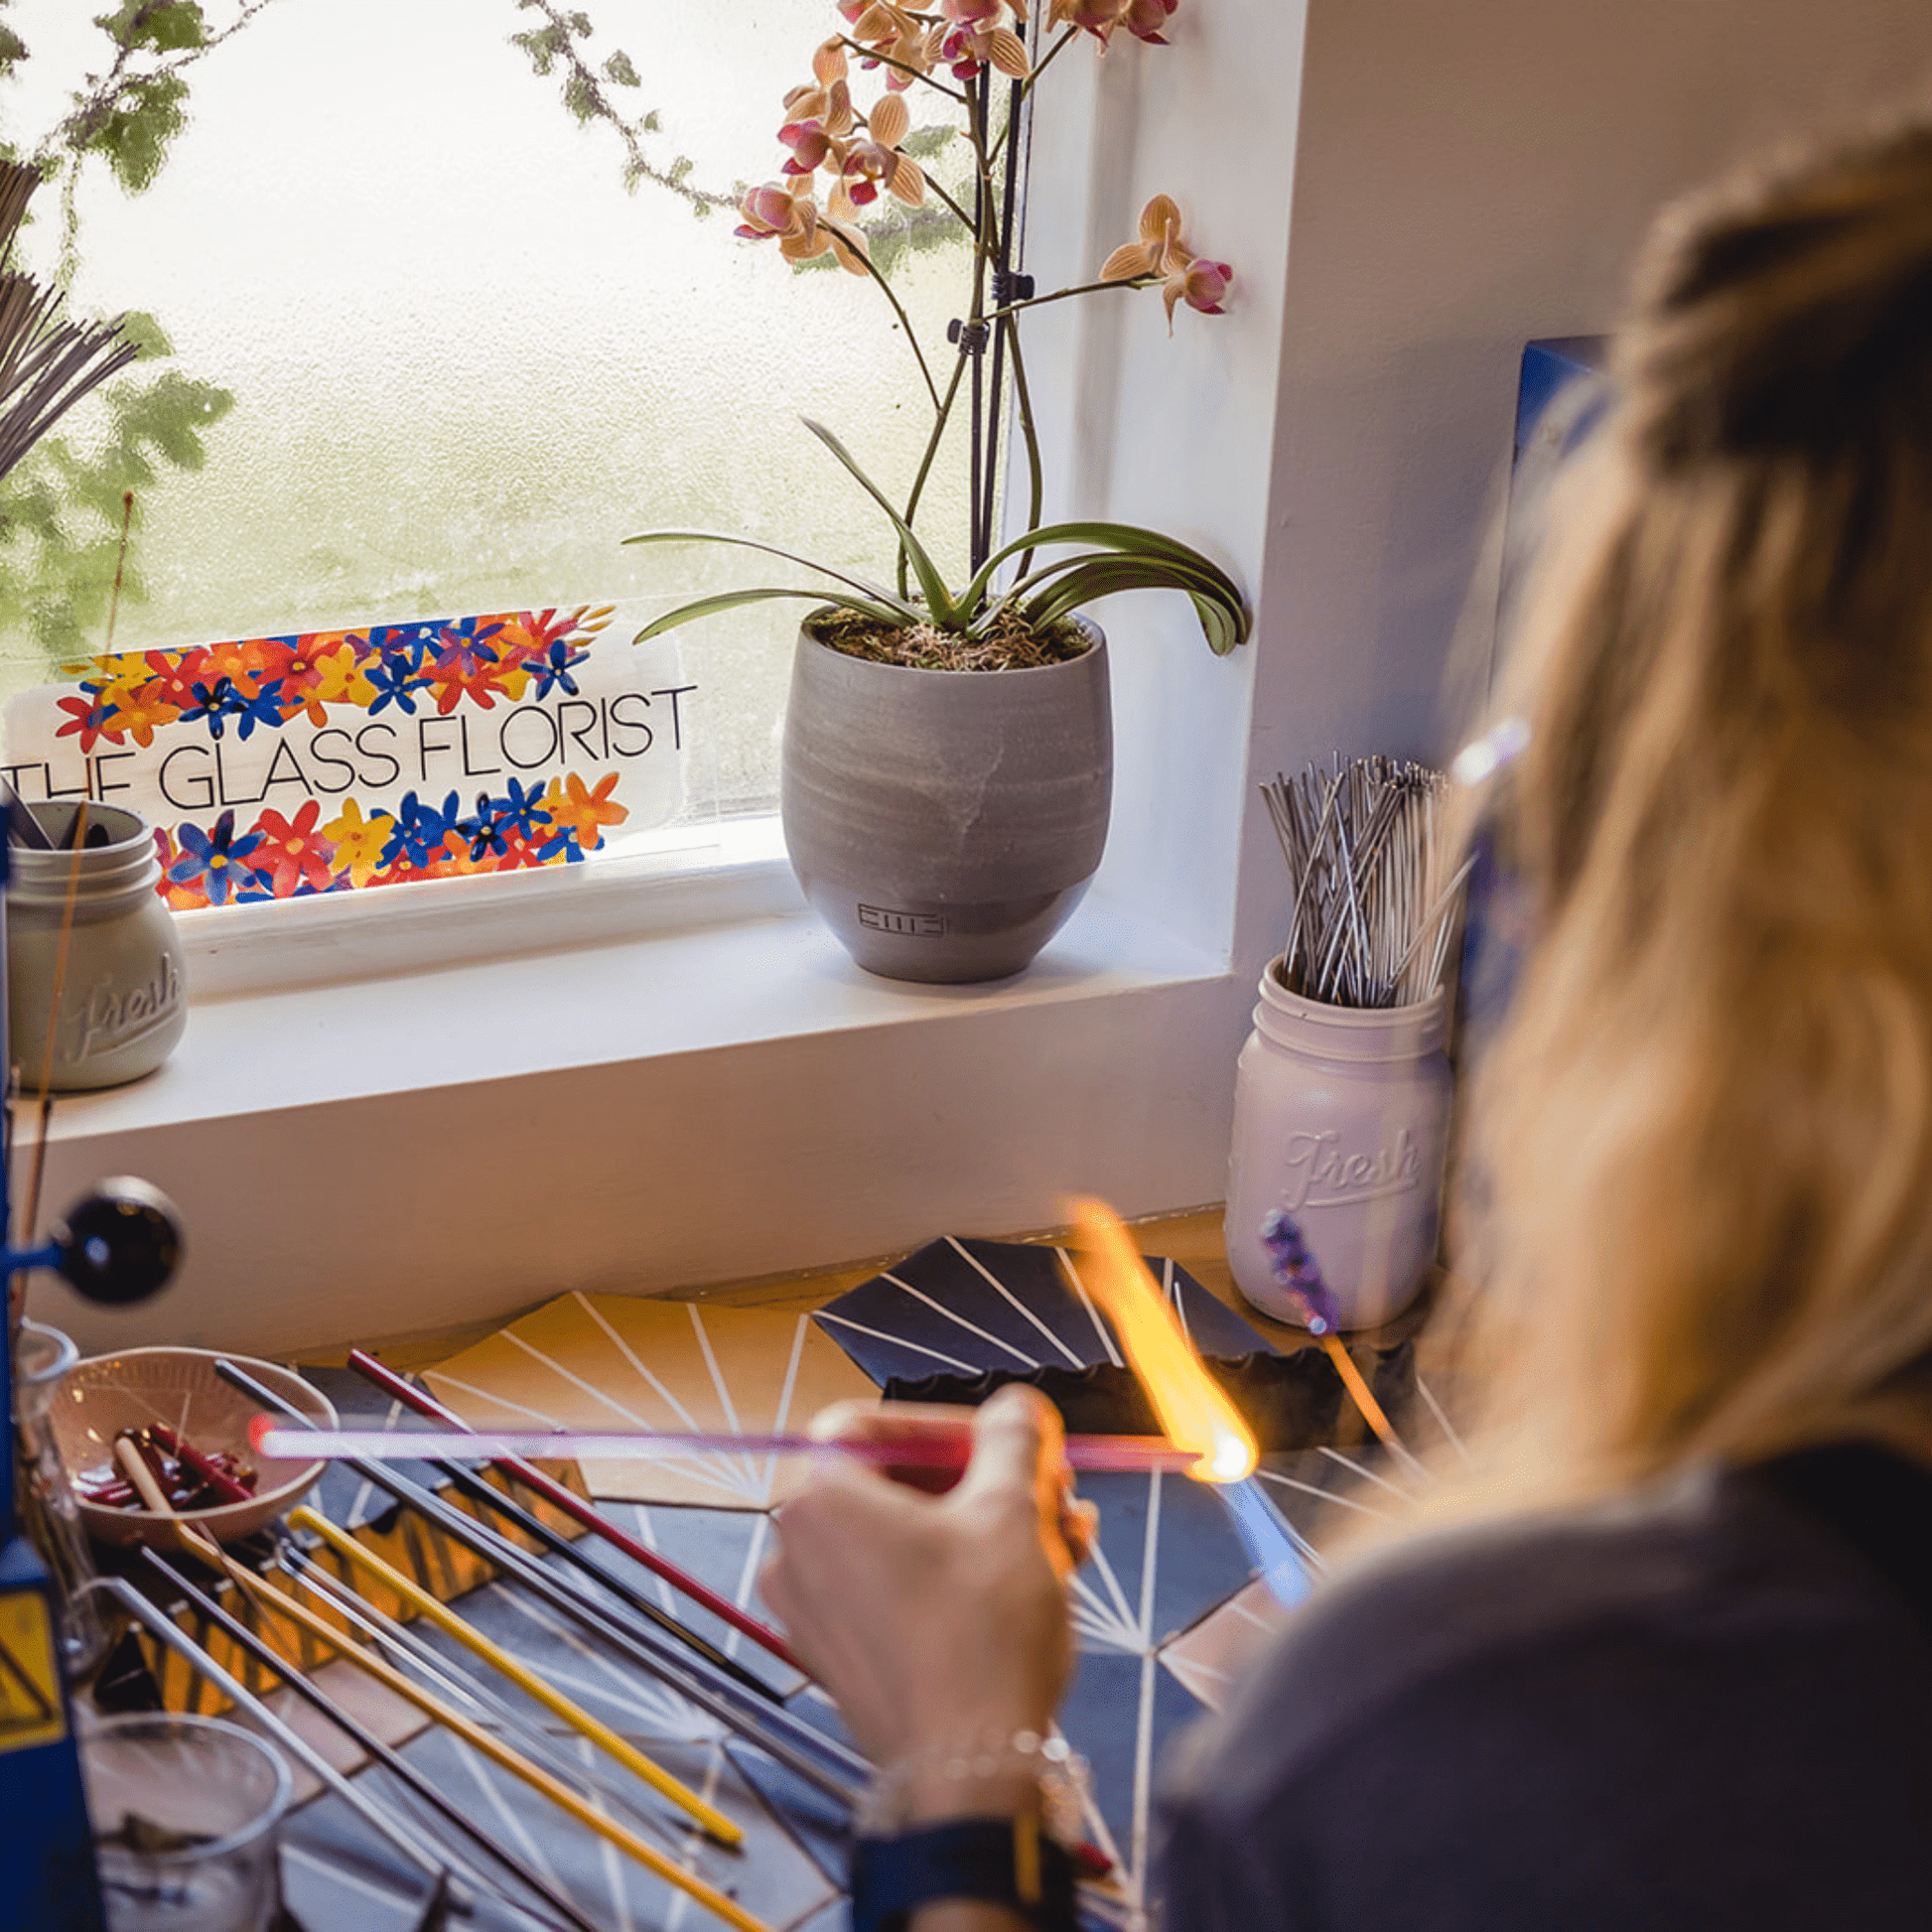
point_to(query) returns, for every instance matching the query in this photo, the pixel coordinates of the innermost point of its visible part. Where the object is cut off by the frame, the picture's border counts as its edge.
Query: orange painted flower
(140, 709)
(175, 674)
(293, 852)
(573, 806)
(243, 661)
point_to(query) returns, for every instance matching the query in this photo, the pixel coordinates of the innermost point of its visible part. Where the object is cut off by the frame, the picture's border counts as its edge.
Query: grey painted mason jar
(123, 1001)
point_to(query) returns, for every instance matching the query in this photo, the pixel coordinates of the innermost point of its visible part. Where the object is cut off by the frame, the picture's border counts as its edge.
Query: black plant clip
(1010, 286)
(970, 336)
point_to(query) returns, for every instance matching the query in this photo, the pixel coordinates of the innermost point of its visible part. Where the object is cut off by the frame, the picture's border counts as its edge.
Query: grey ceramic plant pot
(946, 823)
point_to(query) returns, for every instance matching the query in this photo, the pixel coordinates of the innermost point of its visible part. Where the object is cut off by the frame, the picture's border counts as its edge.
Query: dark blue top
(1704, 1707)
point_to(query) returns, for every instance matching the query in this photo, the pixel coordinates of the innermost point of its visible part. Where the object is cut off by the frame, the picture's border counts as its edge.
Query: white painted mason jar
(123, 1002)
(1341, 1120)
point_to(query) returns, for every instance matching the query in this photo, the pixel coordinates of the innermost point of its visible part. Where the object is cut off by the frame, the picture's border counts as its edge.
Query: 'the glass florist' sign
(277, 768)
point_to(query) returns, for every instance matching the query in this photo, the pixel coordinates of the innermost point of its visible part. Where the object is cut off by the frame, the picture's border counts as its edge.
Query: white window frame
(731, 1097)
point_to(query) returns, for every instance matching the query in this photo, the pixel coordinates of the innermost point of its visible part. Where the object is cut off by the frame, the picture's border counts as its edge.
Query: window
(431, 357)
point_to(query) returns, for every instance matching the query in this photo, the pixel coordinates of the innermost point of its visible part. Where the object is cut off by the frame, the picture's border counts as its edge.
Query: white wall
(1445, 183)
(1468, 177)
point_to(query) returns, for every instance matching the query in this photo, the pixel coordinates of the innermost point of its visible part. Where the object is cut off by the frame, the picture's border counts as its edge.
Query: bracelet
(964, 1769)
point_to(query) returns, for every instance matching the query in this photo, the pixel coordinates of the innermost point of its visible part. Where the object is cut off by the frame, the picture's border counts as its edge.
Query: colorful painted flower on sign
(281, 767)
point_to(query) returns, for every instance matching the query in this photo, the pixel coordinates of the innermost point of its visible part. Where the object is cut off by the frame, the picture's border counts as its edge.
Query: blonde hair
(1707, 1127)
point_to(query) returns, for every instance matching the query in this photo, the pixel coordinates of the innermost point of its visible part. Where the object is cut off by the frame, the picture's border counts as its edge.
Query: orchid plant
(841, 157)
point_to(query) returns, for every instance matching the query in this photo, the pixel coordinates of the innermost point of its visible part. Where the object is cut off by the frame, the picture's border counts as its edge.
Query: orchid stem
(899, 308)
(940, 418)
(1060, 295)
(900, 67)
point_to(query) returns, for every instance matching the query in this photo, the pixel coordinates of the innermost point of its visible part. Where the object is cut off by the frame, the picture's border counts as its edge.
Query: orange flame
(1195, 1411)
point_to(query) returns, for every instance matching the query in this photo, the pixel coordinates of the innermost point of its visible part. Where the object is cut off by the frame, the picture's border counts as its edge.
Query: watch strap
(1006, 1862)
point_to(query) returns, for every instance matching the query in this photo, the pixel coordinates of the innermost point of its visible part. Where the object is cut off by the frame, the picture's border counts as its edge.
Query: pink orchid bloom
(768, 211)
(875, 161)
(1187, 278)
(895, 35)
(1096, 16)
(1143, 19)
(811, 147)
(787, 210)
(968, 48)
(1204, 285)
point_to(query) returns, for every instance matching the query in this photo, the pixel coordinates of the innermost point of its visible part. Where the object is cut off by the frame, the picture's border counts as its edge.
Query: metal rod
(156, 1621)
(1135, 1454)
(806, 1752)
(575, 1508)
(448, 1682)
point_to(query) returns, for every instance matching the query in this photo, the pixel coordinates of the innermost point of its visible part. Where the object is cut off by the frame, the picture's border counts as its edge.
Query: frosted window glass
(467, 363)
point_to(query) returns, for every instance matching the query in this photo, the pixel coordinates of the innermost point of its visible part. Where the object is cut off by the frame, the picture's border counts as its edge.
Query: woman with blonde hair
(1666, 1660)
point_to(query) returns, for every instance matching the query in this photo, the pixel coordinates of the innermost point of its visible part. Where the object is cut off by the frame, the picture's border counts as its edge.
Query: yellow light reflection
(1195, 1411)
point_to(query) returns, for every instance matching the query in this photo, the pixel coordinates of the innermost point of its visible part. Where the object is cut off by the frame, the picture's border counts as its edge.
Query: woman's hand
(936, 1621)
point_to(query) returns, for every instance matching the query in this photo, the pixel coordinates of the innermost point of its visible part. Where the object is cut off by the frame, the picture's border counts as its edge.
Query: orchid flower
(875, 160)
(1160, 251)
(895, 35)
(1143, 19)
(980, 37)
(860, 150)
(788, 210)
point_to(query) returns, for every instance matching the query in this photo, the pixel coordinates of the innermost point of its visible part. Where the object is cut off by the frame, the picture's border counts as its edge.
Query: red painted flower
(293, 852)
(175, 674)
(91, 717)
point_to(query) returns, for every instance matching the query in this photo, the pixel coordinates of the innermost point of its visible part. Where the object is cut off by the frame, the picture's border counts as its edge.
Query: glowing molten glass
(1195, 1412)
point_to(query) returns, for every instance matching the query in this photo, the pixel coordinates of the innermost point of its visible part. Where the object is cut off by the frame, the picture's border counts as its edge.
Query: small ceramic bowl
(179, 1386)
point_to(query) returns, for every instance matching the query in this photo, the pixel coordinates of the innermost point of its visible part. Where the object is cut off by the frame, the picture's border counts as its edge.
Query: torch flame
(1195, 1411)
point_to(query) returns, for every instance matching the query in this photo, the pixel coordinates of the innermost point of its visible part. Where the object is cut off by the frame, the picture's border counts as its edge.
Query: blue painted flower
(466, 649)
(484, 830)
(265, 708)
(525, 809)
(419, 829)
(215, 702)
(395, 677)
(220, 861)
(555, 666)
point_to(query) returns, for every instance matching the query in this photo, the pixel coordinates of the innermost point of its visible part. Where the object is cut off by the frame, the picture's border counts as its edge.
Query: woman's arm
(940, 1623)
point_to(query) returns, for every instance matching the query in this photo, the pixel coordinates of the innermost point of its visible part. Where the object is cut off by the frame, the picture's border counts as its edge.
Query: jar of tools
(1340, 1121)
(83, 917)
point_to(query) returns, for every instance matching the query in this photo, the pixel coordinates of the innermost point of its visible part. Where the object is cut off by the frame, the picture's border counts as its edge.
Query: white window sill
(773, 976)
(403, 1153)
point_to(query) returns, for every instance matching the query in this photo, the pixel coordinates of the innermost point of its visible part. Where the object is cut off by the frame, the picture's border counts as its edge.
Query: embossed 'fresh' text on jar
(1341, 1120)
(123, 1002)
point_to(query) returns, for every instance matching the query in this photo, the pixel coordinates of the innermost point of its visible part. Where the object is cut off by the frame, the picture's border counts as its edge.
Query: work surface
(1166, 1610)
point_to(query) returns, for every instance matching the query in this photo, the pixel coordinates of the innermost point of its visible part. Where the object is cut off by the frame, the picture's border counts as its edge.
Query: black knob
(119, 1243)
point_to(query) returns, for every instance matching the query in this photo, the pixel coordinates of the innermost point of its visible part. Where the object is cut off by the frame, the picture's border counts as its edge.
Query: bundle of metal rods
(1376, 893)
(343, 1611)
(48, 362)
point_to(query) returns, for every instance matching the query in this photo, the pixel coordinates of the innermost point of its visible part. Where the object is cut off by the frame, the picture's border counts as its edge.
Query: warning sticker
(31, 1711)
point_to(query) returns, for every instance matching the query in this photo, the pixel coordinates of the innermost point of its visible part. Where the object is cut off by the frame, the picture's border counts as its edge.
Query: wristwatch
(1006, 1862)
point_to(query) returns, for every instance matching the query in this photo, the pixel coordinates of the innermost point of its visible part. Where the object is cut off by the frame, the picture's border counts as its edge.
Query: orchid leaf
(899, 610)
(940, 607)
(1129, 539)
(711, 607)
(1223, 622)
